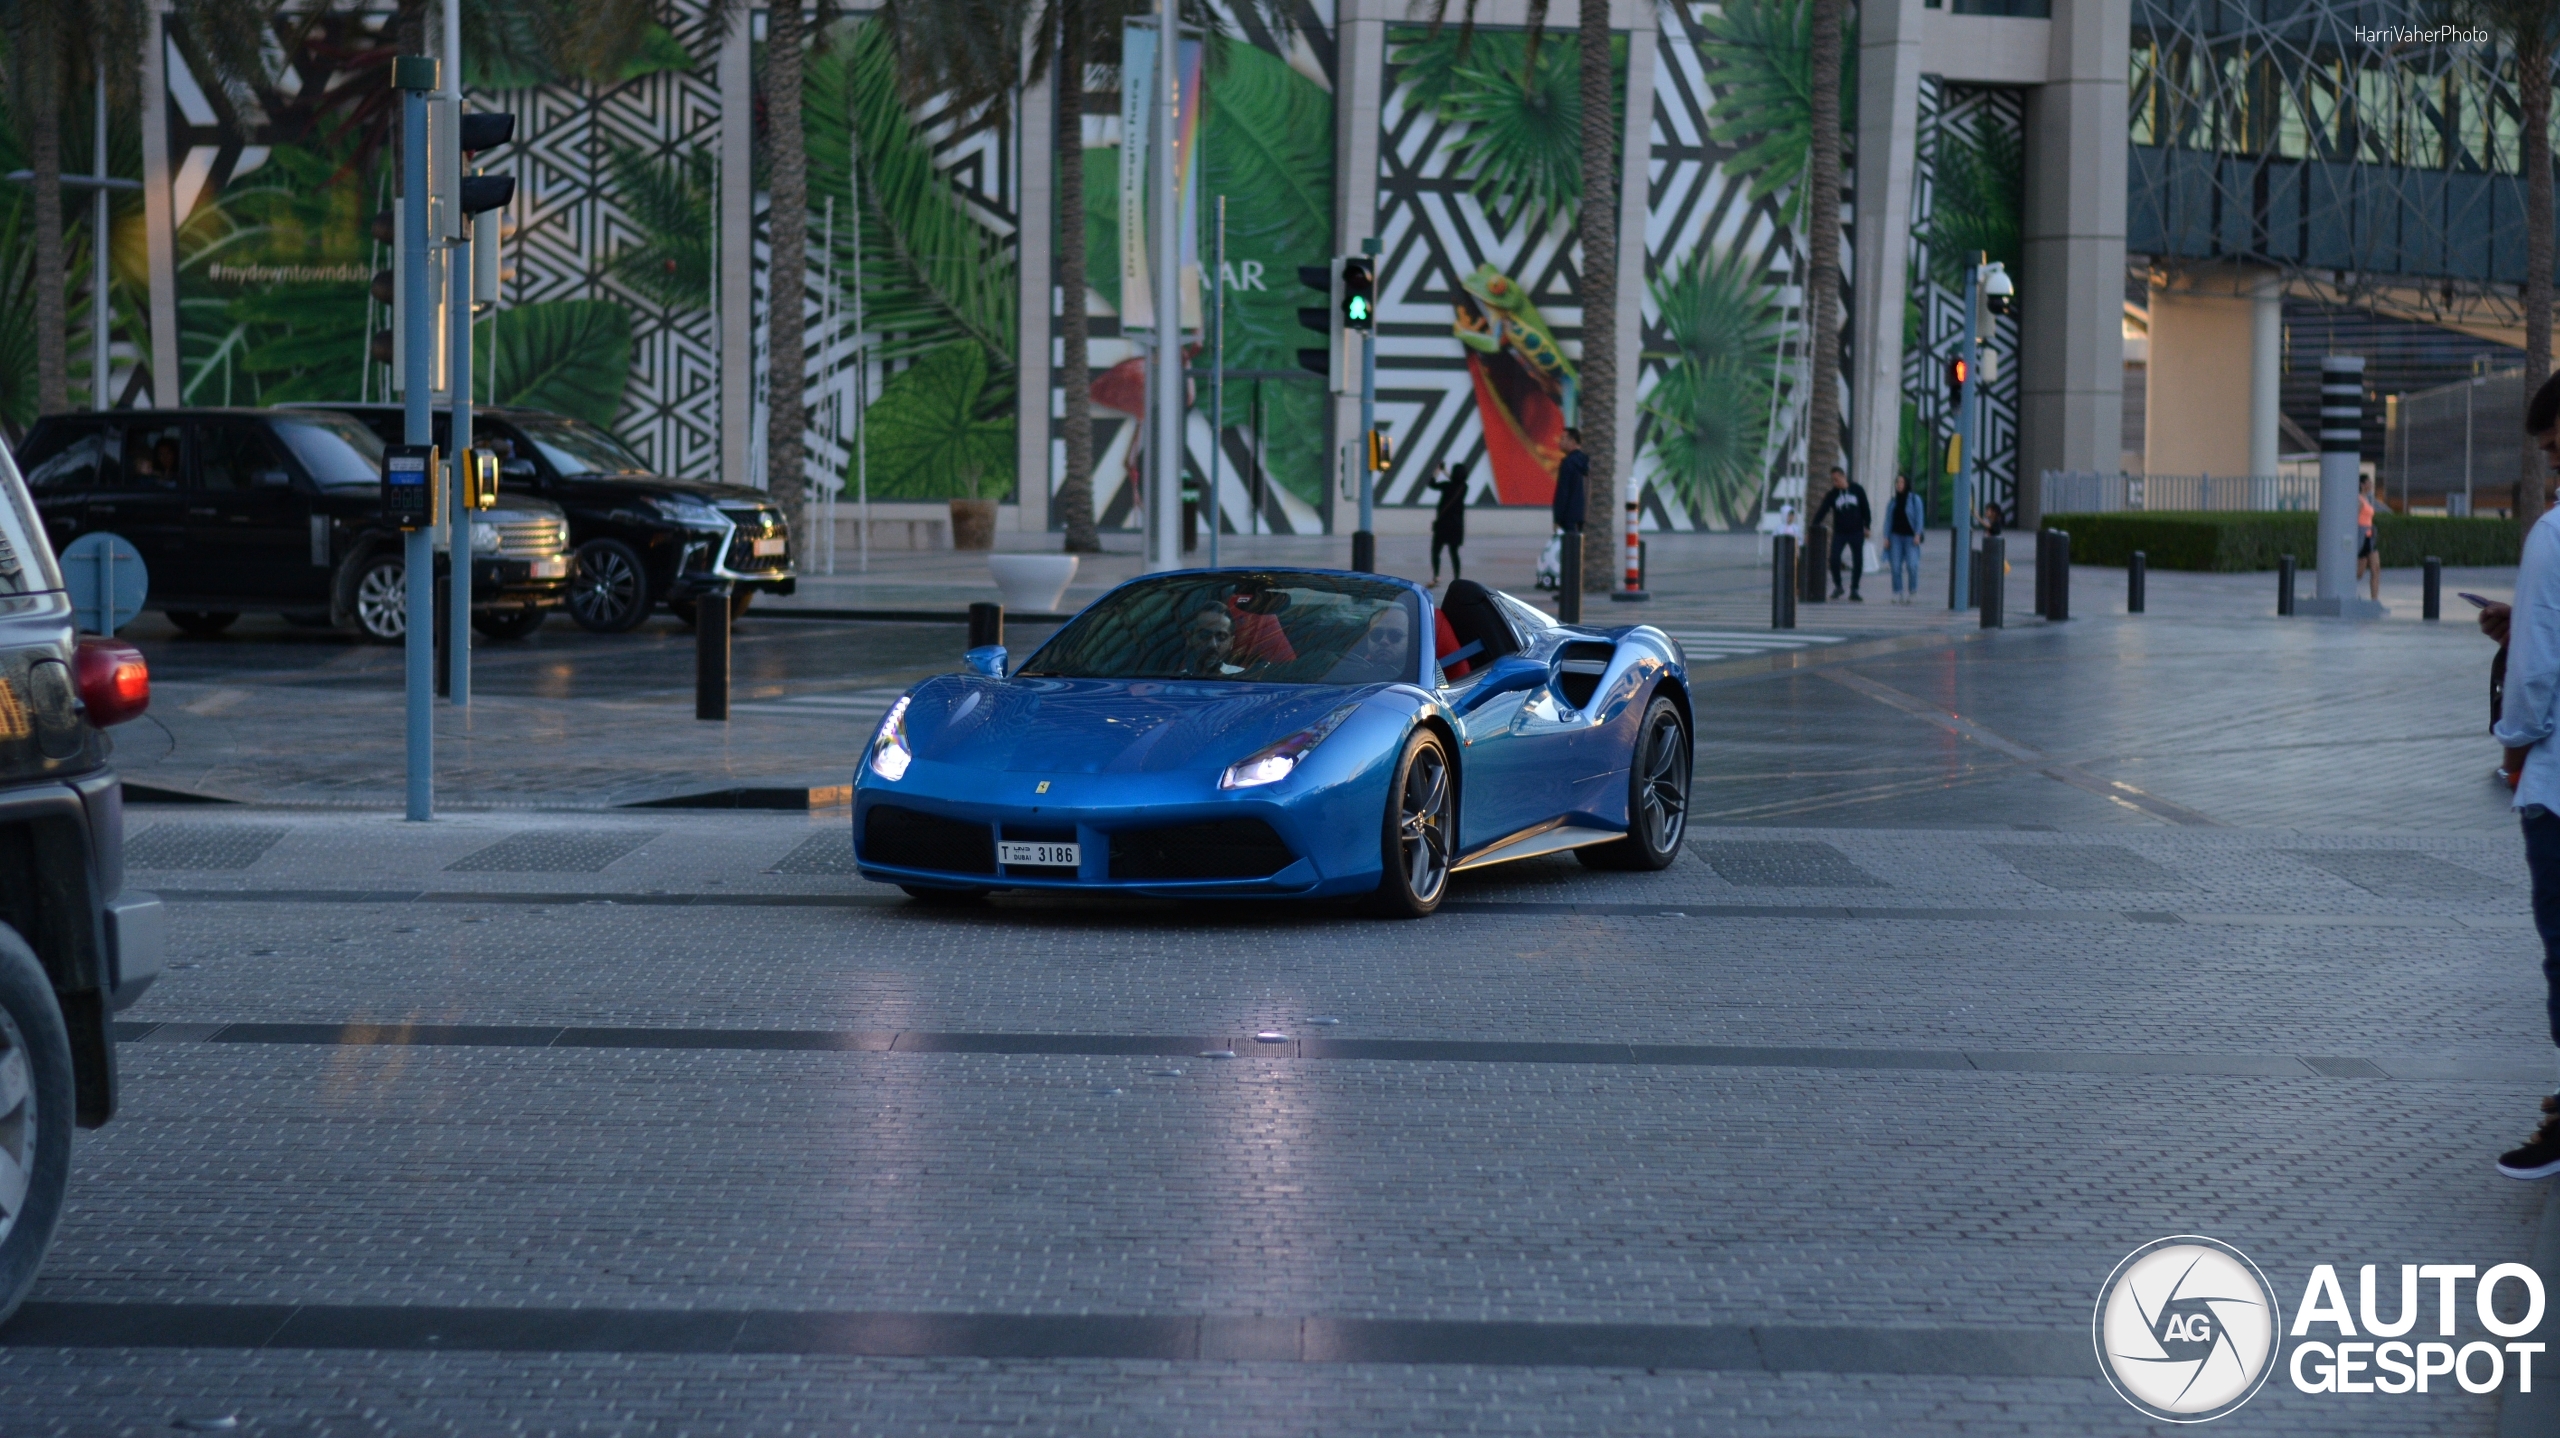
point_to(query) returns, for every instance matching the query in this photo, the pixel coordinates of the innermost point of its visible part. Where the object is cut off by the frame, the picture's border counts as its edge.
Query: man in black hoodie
(1847, 508)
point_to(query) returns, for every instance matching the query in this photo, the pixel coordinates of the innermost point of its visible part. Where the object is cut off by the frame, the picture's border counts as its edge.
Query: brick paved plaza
(1992, 958)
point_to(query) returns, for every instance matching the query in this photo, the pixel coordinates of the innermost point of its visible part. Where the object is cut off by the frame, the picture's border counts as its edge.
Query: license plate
(765, 547)
(1047, 856)
(556, 567)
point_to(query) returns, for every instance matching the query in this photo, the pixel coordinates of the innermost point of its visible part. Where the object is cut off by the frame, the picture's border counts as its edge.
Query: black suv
(643, 538)
(75, 945)
(237, 509)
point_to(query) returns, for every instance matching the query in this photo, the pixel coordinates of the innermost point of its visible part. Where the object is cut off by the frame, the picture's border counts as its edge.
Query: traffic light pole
(1364, 540)
(415, 76)
(1960, 552)
(458, 556)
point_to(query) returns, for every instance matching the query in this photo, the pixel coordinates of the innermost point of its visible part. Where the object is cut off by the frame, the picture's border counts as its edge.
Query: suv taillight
(114, 683)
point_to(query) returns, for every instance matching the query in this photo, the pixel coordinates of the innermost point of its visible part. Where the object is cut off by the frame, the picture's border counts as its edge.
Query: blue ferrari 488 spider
(1282, 732)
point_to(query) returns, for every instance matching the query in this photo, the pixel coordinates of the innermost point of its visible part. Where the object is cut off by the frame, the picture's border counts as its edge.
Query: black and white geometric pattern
(1955, 111)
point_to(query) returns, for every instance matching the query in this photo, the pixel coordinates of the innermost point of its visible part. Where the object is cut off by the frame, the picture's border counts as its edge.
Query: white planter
(1032, 582)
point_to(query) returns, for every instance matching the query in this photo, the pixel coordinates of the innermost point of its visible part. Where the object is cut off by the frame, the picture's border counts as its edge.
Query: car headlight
(484, 539)
(686, 510)
(890, 755)
(1271, 765)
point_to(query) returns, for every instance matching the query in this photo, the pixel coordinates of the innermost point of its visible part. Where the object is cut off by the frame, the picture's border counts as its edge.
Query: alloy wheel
(1665, 802)
(1422, 823)
(608, 589)
(18, 1124)
(382, 601)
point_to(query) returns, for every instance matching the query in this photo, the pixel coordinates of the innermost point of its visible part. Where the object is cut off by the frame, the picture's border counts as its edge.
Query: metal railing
(2457, 446)
(2087, 492)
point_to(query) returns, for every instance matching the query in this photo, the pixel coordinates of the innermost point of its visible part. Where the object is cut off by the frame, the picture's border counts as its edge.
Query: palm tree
(1601, 541)
(1822, 243)
(786, 277)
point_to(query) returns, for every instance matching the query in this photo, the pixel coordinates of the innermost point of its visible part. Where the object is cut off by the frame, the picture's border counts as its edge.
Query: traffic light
(1326, 320)
(1382, 451)
(1359, 296)
(1959, 369)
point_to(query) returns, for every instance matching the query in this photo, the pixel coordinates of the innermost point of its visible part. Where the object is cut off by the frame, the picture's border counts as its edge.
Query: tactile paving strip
(200, 846)
(828, 853)
(551, 852)
(2086, 866)
(2398, 873)
(1784, 864)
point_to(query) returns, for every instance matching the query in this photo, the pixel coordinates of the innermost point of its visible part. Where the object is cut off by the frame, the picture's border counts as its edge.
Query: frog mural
(1524, 384)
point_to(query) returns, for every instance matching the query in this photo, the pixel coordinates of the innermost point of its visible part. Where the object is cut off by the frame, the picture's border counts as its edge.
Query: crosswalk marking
(857, 704)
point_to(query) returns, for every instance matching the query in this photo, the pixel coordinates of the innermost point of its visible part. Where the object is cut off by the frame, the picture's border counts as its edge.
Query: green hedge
(2238, 541)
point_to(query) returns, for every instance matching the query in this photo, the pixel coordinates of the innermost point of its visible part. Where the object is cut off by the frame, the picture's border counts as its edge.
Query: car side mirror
(271, 479)
(516, 468)
(986, 661)
(1509, 674)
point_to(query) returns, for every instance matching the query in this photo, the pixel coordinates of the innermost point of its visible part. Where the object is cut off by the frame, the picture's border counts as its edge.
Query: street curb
(2537, 1414)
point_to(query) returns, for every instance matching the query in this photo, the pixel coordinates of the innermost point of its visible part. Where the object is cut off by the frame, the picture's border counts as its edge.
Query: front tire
(611, 593)
(382, 599)
(1657, 795)
(36, 1106)
(1419, 830)
(202, 623)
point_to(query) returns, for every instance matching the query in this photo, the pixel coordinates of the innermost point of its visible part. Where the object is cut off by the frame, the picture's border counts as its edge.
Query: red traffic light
(1959, 369)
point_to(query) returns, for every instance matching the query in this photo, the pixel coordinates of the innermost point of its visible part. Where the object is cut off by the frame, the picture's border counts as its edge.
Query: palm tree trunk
(786, 441)
(2533, 64)
(1601, 542)
(1822, 245)
(43, 62)
(1075, 487)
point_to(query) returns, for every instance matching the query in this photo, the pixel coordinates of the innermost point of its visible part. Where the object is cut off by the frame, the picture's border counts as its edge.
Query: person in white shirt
(2527, 720)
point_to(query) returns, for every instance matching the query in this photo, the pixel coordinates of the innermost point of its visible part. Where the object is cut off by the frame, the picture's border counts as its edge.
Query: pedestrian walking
(1905, 522)
(2527, 719)
(1848, 510)
(1449, 521)
(2368, 553)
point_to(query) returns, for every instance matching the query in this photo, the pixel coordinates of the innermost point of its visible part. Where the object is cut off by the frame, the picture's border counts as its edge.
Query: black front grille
(912, 839)
(1220, 849)
(742, 550)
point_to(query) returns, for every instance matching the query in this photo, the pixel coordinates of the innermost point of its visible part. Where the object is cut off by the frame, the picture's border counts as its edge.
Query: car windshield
(339, 451)
(1253, 628)
(576, 447)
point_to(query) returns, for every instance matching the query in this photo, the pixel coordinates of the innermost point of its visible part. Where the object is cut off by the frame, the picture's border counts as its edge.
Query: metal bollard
(444, 637)
(2284, 586)
(986, 625)
(2057, 589)
(2135, 572)
(1569, 579)
(1782, 583)
(2044, 571)
(1995, 566)
(2434, 604)
(711, 655)
(1814, 566)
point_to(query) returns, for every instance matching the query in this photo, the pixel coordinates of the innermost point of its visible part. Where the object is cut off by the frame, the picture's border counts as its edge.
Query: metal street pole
(415, 76)
(1168, 277)
(458, 560)
(1217, 377)
(1364, 541)
(1960, 553)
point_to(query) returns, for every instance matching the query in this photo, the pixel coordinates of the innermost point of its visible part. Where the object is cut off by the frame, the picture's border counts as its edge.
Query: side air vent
(1220, 849)
(1578, 671)
(913, 839)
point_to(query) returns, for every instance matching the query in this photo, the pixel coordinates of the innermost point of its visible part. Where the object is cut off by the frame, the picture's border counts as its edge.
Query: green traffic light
(1358, 309)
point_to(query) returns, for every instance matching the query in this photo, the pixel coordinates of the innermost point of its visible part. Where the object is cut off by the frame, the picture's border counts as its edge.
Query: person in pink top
(2368, 553)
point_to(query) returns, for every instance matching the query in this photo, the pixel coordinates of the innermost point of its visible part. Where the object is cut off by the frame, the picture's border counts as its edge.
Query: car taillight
(114, 683)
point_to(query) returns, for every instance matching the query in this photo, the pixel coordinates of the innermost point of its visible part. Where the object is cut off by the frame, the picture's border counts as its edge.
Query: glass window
(575, 447)
(238, 457)
(26, 558)
(153, 456)
(336, 450)
(1252, 628)
(74, 457)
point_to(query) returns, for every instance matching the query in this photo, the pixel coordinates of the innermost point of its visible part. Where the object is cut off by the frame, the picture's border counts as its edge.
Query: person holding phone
(2528, 716)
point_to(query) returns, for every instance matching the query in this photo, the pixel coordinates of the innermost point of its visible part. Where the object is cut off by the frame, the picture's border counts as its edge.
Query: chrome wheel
(1662, 781)
(18, 1124)
(382, 600)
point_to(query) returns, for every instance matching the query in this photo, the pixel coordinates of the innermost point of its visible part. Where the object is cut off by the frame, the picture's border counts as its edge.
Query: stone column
(1888, 138)
(1035, 211)
(2071, 296)
(2266, 370)
(735, 248)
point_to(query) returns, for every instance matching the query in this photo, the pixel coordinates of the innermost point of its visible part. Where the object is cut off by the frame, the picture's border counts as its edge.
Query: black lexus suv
(75, 944)
(644, 539)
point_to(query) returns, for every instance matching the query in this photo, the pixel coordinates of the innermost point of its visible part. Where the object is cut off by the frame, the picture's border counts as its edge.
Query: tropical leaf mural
(569, 356)
(1267, 146)
(671, 201)
(1760, 63)
(1520, 141)
(1710, 410)
(1981, 188)
(272, 276)
(941, 429)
